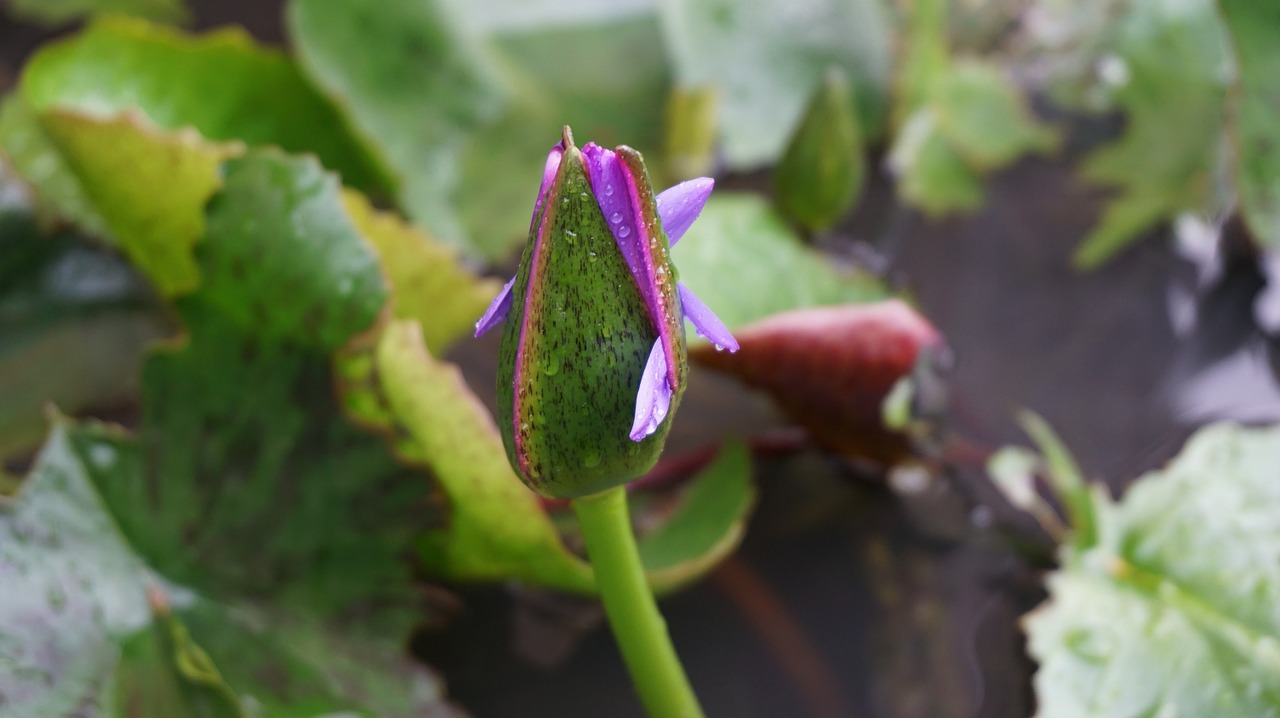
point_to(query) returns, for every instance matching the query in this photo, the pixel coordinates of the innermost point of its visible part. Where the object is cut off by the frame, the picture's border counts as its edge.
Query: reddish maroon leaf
(830, 368)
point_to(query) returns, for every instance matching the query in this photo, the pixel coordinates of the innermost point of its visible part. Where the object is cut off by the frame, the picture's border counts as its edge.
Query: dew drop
(591, 460)
(616, 218)
(718, 347)
(624, 232)
(571, 236)
(591, 256)
(524, 426)
(551, 367)
(608, 190)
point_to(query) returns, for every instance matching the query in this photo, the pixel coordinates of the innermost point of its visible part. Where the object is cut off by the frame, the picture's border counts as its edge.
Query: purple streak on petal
(705, 321)
(548, 174)
(653, 401)
(678, 206)
(497, 311)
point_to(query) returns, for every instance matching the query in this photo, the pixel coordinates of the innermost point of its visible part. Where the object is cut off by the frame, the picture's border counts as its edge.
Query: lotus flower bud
(592, 363)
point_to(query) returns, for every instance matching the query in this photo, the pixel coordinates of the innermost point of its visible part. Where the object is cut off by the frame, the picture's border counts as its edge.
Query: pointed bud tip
(566, 137)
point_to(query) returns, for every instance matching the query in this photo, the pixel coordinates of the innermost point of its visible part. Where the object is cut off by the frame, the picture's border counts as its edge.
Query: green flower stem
(633, 614)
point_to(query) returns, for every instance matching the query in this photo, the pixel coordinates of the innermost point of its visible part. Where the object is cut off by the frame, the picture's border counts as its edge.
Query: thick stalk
(633, 614)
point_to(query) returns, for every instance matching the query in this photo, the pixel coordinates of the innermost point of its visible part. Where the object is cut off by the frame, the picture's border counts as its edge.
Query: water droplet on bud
(624, 231)
(616, 218)
(608, 190)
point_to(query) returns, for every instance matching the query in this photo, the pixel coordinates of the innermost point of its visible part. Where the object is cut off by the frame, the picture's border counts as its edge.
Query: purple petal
(497, 311)
(705, 321)
(548, 174)
(610, 188)
(678, 206)
(653, 401)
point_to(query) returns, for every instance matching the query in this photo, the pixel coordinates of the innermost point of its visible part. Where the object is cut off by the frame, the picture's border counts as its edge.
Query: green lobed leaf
(60, 12)
(416, 88)
(1175, 610)
(90, 631)
(1253, 106)
(765, 57)
(1173, 58)
(742, 259)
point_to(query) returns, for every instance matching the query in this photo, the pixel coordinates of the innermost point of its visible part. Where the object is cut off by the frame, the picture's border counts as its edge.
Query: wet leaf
(1172, 59)
(251, 482)
(428, 283)
(743, 261)
(419, 84)
(72, 587)
(764, 58)
(1173, 610)
(1253, 105)
(831, 368)
(60, 12)
(90, 631)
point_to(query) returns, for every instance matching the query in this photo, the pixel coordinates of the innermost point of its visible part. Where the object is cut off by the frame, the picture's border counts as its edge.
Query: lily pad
(416, 88)
(765, 59)
(1252, 108)
(743, 260)
(1173, 609)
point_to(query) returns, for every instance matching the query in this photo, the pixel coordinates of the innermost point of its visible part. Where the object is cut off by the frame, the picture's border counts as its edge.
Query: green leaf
(931, 175)
(1172, 52)
(90, 631)
(415, 88)
(270, 492)
(429, 285)
(1253, 106)
(984, 119)
(60, 12)
(1174, 610)
(764, 58)
(744, 261)
(611, 90)
(156, 216)
(71, 587)
(707, 526)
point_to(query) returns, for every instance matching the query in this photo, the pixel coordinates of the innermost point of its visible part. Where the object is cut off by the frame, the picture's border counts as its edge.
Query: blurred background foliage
(248, 465)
